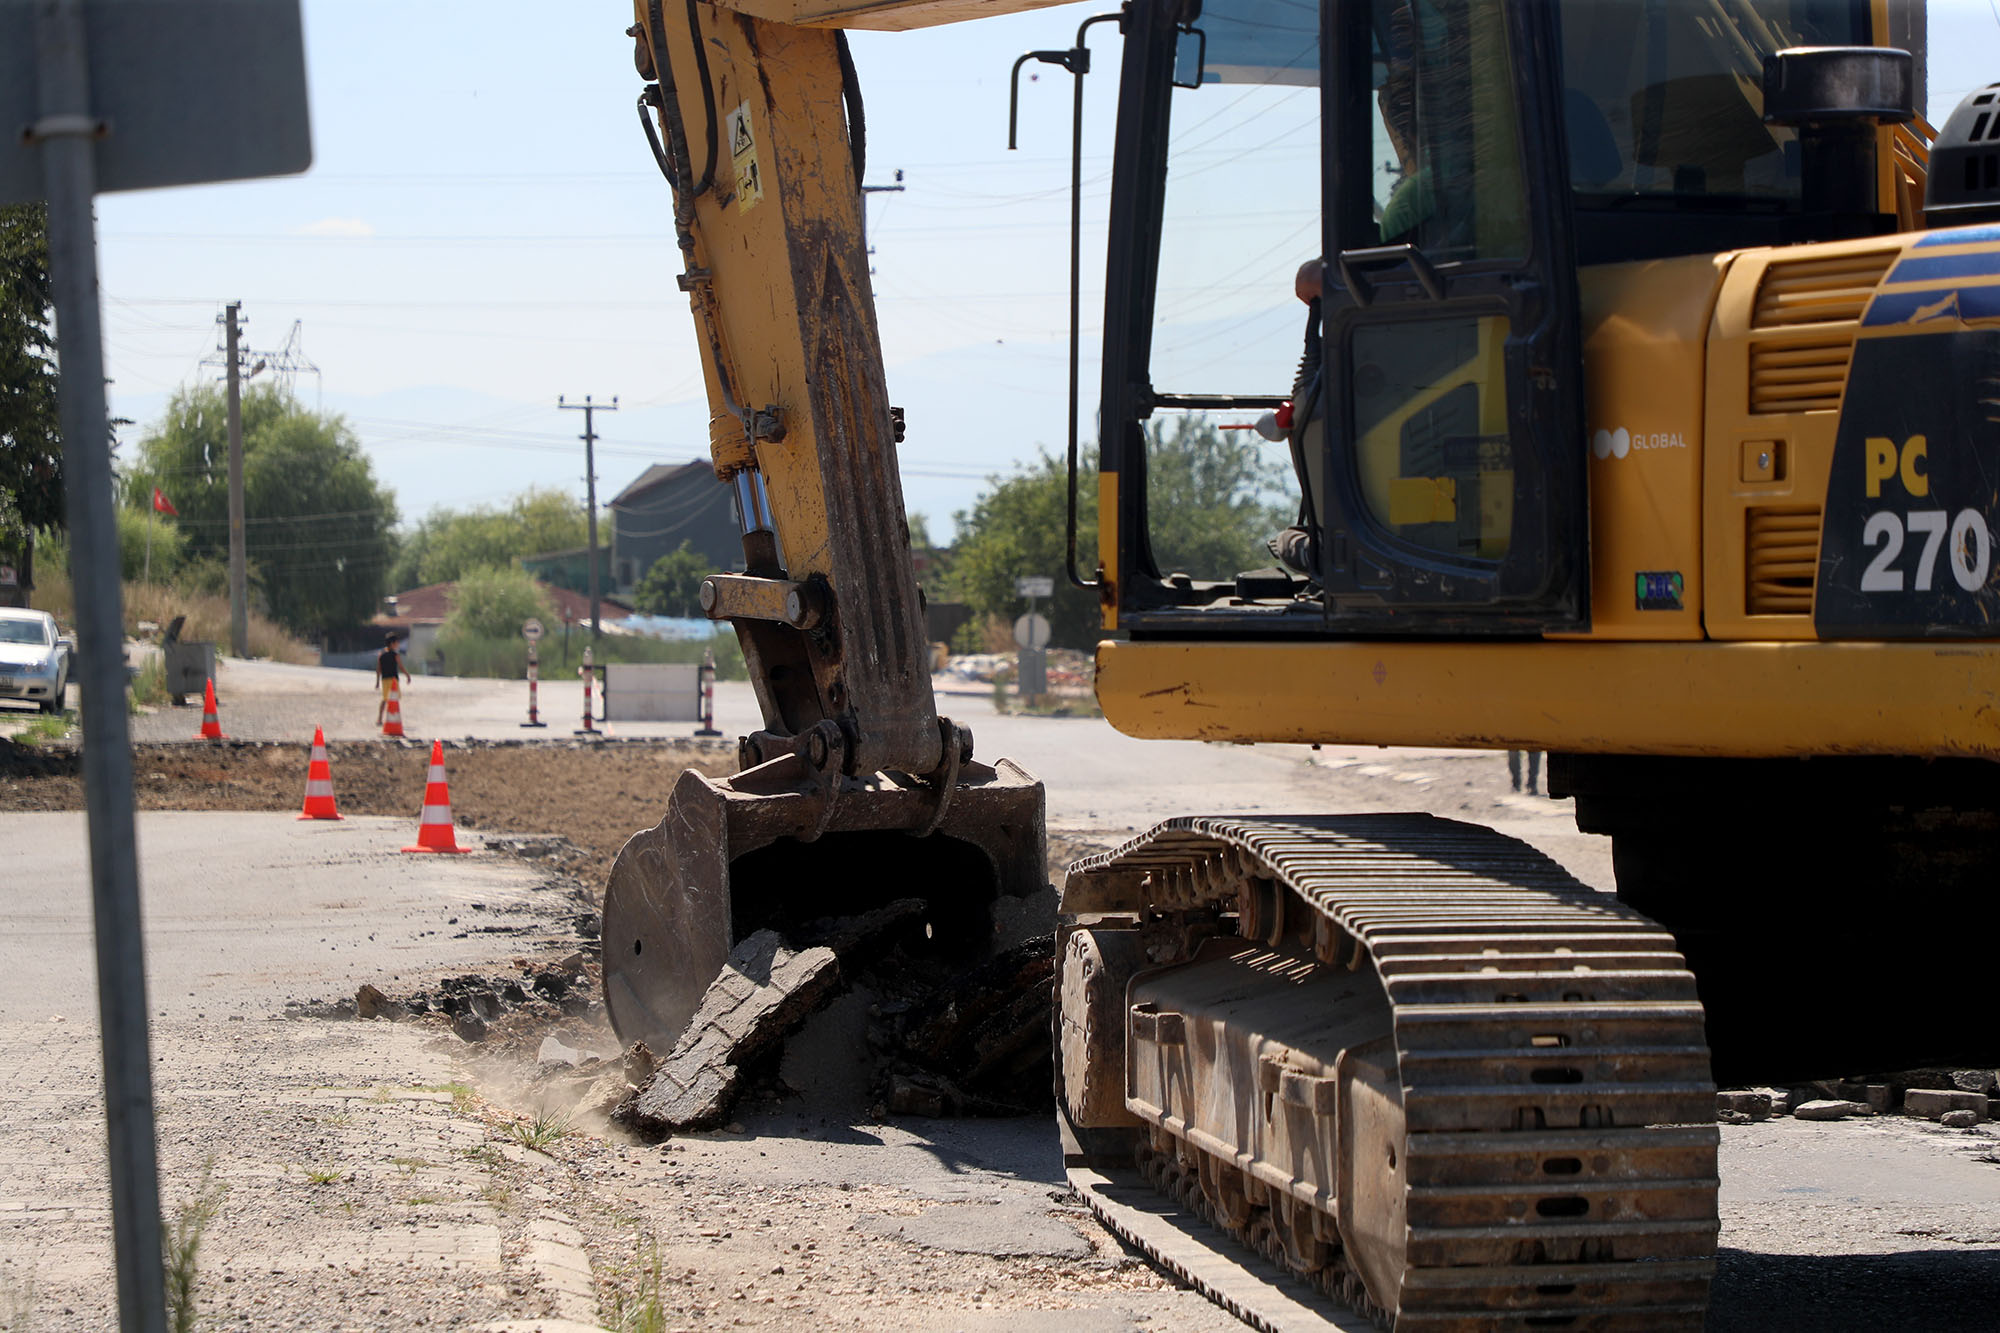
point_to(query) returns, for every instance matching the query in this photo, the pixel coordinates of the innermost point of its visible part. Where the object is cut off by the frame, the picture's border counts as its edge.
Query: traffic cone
(392, 717)
(434, 831)
(319, 782)
(211, 725)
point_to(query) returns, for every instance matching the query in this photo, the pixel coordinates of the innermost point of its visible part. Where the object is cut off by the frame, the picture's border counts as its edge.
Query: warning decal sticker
(743, 152)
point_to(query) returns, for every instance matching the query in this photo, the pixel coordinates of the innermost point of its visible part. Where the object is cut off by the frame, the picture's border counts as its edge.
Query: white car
(34, 659)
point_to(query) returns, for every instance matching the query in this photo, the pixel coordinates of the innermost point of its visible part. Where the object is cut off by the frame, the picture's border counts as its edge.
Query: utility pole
(239, 593)
(867, 190)
(589, 438)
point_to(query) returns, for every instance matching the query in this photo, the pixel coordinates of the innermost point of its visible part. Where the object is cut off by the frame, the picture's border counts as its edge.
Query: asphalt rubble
(858, 1008)
(860, 1013)
(1954, 1098)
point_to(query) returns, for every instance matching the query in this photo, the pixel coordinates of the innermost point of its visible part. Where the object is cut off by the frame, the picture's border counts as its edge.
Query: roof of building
(655, 475)
(429, 605)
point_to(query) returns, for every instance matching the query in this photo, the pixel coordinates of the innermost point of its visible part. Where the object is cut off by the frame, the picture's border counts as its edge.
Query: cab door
(1451, 458)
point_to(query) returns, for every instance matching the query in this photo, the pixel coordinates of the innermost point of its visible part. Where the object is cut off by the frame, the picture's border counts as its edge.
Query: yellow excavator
(1646, 412)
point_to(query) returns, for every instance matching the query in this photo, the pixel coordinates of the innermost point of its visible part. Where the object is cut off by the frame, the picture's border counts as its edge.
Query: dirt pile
(595, 794)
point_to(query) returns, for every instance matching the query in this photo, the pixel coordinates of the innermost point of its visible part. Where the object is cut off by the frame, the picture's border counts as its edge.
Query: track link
(1554, 1164)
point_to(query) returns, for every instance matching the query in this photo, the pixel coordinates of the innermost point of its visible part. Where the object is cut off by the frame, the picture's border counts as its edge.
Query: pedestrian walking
(1534, 768)
(387, 664)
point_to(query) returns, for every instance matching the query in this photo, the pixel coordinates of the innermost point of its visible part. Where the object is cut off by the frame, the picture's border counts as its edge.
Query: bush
(169, 545)
(492, 603)
(672, 587)
(207, 615)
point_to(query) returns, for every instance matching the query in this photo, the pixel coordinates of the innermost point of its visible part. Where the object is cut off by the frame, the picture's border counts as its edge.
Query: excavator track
(1412, 1062)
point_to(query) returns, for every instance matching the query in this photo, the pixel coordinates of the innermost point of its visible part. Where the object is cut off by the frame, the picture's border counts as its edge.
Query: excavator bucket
(779, 845)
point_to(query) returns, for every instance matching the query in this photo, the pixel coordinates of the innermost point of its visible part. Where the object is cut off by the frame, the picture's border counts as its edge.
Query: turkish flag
(163, 505)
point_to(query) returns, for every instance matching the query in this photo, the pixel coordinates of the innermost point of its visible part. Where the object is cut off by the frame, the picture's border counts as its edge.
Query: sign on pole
(182, 92)
(1034, 585)
(123, 95)
(531, 630)
(1032, 631)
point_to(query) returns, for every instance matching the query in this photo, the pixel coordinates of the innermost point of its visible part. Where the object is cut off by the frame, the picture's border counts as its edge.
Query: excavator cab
(1465, 169)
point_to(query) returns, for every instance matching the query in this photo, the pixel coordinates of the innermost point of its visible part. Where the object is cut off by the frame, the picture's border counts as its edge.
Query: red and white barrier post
(589, 674)
(531, 630)
(706, 676)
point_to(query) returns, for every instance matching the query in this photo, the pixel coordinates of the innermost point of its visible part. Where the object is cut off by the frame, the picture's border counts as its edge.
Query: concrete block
(1958, 1119)
(1750, 1105)
(1932, 1103)
(1826, 1109)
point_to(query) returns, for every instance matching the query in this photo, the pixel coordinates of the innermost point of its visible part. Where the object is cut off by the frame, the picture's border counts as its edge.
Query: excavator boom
(756, 120)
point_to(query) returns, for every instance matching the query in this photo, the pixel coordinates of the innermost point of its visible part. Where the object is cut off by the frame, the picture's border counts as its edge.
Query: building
(668, 504)
(571, 569)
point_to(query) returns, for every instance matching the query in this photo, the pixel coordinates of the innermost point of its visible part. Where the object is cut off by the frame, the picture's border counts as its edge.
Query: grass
(317, 1176)
(540, 1132)
(462, 1095)
(44, 728)
(422, 1200)
(182, 1245)
(207, 615)
(643, 1310)
(17, 1304)
(149, 687)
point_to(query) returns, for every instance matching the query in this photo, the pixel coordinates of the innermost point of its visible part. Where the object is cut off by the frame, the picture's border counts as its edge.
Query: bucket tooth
(779, 842)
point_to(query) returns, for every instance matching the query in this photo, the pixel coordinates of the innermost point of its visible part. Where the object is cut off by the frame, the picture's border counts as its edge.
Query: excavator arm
(755, 116)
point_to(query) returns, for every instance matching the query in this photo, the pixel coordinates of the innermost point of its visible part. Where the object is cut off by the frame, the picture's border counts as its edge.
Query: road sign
(181, 92)
(1035, 585)
(531, 630)
(1032, 631)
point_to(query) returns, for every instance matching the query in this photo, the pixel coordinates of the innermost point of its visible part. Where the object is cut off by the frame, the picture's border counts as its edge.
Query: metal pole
(66, 132)
(589, 438)
(239, 594)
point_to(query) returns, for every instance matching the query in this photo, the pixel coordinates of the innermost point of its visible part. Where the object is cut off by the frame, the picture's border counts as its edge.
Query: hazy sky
(483, 229)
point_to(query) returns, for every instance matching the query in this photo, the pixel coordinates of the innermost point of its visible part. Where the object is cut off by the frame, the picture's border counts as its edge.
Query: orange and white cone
(211, 724)
(392, 716)
(319, 782)
(434, 831)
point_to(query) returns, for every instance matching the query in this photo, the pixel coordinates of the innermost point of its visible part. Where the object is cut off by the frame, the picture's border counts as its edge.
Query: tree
(672, 587)
(1212, 501)
(446, 543)
(492, 602)
(31, 471)
(317, 524)
(1016, 528)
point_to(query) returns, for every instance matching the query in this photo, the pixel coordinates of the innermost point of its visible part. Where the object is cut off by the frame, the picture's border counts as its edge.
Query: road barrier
(534, 675)
(434, 828)
(707, 727)
(319, 782)
(652, 692)
(392, 716)
(211, 721)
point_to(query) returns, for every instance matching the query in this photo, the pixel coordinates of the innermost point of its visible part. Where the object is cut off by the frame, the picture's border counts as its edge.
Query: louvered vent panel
(1799, 376)
(1819, 291)
(1781, 559)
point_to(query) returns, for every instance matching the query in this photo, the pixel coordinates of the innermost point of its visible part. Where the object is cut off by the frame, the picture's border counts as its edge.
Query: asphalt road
(1859, 1225)
(244, 912)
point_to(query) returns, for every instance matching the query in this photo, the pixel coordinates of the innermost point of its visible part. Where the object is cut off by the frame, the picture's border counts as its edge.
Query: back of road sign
(187, 91)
